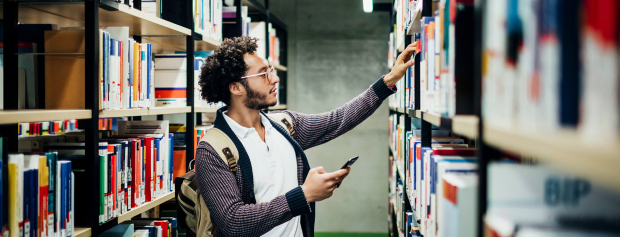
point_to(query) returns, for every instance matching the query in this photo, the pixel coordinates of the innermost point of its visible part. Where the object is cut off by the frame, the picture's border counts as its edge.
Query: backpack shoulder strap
(224, 147)
(283, 120)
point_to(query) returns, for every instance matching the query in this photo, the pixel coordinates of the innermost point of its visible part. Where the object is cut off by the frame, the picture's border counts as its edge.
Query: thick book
(459, 198)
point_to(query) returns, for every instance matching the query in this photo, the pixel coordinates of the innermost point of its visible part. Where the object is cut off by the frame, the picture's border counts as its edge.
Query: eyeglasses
(270, 74)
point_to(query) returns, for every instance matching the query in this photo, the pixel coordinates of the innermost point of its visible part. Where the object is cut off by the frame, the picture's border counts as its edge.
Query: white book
(460, 209)
(446, 165)
(538, 195)
(141, 233)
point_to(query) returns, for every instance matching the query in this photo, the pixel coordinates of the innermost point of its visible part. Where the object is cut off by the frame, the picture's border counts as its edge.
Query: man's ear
(236, 88)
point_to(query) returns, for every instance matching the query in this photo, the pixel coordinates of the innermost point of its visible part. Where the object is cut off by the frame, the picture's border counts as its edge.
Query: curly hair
(225, 66)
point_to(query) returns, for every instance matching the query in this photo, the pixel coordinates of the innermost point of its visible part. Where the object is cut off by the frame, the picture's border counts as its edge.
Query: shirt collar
(242, 131)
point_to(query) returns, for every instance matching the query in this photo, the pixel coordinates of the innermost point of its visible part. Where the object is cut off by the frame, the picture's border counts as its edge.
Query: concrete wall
(335, 52)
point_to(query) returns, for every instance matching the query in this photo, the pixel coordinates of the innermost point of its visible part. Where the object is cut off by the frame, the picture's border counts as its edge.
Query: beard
(256, 100)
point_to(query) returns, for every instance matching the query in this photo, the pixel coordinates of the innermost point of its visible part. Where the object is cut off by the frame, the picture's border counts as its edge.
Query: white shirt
(274, 168)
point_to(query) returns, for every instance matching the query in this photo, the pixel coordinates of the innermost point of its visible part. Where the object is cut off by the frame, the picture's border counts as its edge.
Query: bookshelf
(164, 36)
(147, 206)
(82, 232)
(563, 148)
(35, 115)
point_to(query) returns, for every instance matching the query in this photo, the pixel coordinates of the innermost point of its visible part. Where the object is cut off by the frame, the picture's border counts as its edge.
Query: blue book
(27, 189)
(149, 63)
(69, 202)
(34, 202)
(106, 65)
(65, 204)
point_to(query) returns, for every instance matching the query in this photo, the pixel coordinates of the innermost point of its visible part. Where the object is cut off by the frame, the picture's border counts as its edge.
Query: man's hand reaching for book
(403, 62)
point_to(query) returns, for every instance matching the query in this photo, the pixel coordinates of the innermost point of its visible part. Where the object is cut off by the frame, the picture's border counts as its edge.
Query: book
(16, 194)
(121, 230)
(539, 195)
(459, 198)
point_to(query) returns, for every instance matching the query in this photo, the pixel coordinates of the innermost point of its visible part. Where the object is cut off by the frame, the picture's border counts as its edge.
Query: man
(273, 190)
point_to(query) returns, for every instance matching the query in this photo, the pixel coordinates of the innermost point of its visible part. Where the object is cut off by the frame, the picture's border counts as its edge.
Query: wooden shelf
(139, 22)
(82, 232)
(278, 107)
(280, 68)
(564, 149)
(206, 109)
(147, 206)
(165, 37)
(399, 110)
(432, 118)
(169, 110)
(465, 125)
(38, 115)
(143, 112)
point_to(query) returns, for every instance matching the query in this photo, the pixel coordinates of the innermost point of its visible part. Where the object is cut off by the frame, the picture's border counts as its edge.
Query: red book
(134, 168)
(148, 170)
(113, 178)
(164, 227)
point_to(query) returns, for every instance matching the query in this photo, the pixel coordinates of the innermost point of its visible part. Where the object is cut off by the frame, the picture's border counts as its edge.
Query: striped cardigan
(230, 195)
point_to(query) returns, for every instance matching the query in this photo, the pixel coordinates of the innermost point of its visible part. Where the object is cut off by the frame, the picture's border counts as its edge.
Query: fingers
(318, 170)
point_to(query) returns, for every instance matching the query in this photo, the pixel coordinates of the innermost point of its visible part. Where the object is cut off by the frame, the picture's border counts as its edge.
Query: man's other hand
(320, 185)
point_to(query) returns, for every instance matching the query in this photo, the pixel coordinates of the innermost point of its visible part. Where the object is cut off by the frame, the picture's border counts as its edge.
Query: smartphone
(349, 162)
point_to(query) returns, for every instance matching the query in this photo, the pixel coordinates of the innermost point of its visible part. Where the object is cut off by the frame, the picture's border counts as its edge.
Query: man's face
(260, 90)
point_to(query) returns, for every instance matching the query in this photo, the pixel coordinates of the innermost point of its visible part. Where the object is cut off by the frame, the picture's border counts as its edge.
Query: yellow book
(43, 195)
(16, 194)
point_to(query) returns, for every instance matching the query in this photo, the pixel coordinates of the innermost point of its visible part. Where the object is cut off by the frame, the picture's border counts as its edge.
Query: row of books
(145, 227)
(264, 32)
(535, 200)
(171, 83)
(136, 163)
(41, 195)
(269, 38)
(208, 18)
(47, 128)
(405, 10)
(425, 171)
(446, 61)
(549, 68)
(126, 72)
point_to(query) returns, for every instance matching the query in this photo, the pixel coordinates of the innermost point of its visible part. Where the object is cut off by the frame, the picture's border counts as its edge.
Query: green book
(52, 159)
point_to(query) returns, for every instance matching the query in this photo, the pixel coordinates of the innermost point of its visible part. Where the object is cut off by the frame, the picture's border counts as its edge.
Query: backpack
(189, 200)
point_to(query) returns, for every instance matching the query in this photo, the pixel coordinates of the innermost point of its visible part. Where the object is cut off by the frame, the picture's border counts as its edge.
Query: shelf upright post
(190, 117)
(9, 131)
(238, 20)
(267, 37)
(91, 11)
(426, 138)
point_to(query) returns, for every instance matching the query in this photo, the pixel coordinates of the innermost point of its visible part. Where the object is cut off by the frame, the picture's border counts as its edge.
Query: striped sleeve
(315, 129)
(221, 194)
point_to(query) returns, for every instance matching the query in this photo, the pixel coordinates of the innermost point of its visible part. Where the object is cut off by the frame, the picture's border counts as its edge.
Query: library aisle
(506, 124)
